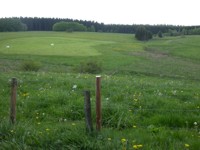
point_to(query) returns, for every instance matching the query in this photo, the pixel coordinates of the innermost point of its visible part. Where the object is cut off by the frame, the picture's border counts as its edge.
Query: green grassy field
(150, 91)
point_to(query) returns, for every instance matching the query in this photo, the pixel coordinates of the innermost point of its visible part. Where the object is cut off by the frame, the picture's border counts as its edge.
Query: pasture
(150, 91)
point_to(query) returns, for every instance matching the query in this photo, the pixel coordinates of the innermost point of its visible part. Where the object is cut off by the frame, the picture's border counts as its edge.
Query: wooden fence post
(98, 103)
(87, 108)
(13, 100)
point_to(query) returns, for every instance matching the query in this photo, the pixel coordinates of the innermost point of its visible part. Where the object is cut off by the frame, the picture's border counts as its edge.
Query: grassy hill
(150, 91)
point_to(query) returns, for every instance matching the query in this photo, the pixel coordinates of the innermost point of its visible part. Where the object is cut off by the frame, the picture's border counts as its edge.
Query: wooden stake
(87, 108)
(98, 103)
(13, 100)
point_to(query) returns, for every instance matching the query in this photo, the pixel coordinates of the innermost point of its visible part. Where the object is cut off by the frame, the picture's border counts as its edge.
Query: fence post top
(98, 76)
(14, 81)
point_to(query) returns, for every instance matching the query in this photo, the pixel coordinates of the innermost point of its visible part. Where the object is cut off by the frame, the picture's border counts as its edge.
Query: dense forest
(46, 24)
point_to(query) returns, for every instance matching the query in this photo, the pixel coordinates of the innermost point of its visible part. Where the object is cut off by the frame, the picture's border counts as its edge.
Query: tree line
(46, 24)
(12, 24)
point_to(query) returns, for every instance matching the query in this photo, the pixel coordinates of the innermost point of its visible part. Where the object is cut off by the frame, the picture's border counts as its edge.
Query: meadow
(150, 91)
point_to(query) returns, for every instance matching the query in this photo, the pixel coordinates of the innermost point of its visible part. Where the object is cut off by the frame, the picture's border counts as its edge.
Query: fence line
(155, 128)
(99, 106)
(138, 109)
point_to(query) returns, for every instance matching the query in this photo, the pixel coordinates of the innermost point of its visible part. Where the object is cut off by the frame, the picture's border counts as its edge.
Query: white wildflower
(160, 94)
(195, 123)
(174, 92)
(74, 86)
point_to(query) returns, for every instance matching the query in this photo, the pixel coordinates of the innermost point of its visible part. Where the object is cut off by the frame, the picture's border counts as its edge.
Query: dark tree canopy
(46, 24)
(160, 34)
(12, 24)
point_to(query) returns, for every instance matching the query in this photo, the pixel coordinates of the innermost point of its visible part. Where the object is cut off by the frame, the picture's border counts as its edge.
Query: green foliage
(183, 31)
(90, 67)
(12, 24)
(195, 31)
(68, 26)
(173, 32)
(142, 34)
(160, 34)
(60, 26)
(30, 66)
(91, 29)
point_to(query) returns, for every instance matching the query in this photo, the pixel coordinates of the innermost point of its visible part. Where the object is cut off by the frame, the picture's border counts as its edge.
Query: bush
(142, 34)
(68, 26)
(90, 67)
(60, 26)
(30, 66)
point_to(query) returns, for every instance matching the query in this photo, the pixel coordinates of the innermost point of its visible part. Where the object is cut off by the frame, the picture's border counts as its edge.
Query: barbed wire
(93, 106)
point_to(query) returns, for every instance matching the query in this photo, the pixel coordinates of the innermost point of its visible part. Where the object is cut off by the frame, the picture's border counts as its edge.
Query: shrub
(68, 26)
(60, 26)
(30, 66)
(90, 67)
(142, 34)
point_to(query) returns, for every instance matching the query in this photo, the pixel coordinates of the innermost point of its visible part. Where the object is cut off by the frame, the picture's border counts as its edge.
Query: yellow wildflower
(187, 145)
(140, 146)
(109, 139)
(25, 94)
(123, 140)
(135, 146)
(134, 126)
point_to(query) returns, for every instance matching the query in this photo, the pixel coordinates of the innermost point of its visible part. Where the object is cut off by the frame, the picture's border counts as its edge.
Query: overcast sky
(173, 12)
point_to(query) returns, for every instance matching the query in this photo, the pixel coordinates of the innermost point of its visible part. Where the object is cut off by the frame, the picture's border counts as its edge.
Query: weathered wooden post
(13, 100)
(87, 108)
(98, 103)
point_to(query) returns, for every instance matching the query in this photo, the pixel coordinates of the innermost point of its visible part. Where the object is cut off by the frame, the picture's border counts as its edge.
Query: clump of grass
(117, 117)
(30, 66)
(90, 67)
